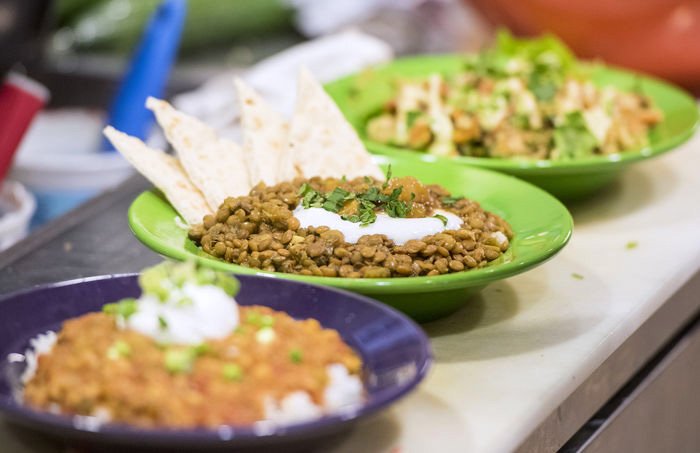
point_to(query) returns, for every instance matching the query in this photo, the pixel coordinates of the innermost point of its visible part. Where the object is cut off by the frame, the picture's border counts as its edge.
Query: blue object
(148, 71)
(53, 203)
(395, 351)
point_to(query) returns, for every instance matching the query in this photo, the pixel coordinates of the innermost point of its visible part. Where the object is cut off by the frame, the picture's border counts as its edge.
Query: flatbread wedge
(321, 140)
(265, 138)
(214, 165)
(164, 172)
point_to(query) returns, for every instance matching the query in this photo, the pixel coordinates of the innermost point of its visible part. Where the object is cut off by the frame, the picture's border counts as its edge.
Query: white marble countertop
(514, 354)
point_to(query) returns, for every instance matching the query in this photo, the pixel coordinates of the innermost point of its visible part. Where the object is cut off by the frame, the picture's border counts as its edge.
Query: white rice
(39, 345)
(343, 393)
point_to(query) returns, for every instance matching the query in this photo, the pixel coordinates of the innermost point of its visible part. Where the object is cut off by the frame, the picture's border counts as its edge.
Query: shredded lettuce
(572, 139)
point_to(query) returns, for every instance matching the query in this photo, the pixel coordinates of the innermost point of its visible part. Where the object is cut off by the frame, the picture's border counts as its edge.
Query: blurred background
(88, 62)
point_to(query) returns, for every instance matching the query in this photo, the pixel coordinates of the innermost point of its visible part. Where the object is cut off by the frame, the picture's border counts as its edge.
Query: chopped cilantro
(388, 177)
(336, 200)
(576, 276)
(450, 200)
(162, 323)
(442, 218)
(295, 355)
(232, 372)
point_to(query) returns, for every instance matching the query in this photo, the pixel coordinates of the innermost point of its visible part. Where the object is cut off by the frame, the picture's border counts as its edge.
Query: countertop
(522, 366)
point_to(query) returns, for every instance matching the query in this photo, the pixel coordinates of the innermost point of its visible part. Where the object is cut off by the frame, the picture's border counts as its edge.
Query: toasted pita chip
(215, 165)
(322, 141)
(164, 172)
(265, 138)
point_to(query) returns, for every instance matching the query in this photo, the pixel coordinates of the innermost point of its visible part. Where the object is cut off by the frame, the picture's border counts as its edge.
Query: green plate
(542, 226)
(362, 96)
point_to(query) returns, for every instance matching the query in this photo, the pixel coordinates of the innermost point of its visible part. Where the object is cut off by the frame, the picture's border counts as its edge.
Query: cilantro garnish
(442, 218)
(388, 177)
(450, 200)
(368, 202)
(336, 200)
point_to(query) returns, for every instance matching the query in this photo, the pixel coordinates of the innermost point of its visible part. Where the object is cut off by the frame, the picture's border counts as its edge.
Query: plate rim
(373, 286)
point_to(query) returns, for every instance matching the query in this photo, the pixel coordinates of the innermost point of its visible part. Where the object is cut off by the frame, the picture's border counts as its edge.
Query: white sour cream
(212, 314)
(399, 230)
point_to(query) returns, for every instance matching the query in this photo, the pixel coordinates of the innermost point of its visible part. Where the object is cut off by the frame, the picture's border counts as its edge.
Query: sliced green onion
(232, 372)
(119, 349)
(295, 355)
(124, 308)
(179, 360)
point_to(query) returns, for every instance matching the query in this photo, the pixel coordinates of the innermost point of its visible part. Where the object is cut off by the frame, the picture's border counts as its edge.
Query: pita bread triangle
(321, 140)
(265, 137)
(214, 165)
(164, 172)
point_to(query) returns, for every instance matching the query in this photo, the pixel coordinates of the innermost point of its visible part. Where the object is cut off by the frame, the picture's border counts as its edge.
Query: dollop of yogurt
(399, 230)
(191, 315)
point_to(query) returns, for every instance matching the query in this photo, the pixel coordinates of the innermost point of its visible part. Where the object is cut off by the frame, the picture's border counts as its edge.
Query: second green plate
(363, 95)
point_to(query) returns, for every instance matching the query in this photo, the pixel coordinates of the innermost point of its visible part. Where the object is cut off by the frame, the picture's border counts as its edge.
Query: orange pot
(660, 37)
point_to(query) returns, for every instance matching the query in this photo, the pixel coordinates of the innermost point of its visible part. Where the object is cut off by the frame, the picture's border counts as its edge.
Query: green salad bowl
(541, 226)
(362, 96)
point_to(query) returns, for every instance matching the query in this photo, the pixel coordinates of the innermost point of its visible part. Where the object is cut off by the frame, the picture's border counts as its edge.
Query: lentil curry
(95, 367)
(260, 230)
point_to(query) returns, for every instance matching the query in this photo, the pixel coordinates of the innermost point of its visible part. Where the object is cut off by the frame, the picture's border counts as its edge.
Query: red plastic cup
(20, 100)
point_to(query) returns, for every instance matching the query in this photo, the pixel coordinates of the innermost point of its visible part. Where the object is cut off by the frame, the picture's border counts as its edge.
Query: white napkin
(275, 78)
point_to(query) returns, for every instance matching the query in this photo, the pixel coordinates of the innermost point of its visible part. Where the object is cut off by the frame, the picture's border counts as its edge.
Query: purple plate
(395, 351)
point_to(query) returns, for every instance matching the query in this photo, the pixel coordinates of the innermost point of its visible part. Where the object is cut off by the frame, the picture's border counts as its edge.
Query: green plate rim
(338, 90)
(386, 286)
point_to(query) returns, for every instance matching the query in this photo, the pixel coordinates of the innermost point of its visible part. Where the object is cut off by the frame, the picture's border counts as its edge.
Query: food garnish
(522, 98)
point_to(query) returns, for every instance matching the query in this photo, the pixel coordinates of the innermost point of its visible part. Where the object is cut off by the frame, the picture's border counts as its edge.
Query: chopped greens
(232, 372)
(368, 202)
(631, 245)
(511, 100)
(179, 360)
(182, 360)
(162, 323)
(572, 139)
(124, 308)
(259, 320)
(119, 349)
(442, 218)
(295, 355)
(450, 200)
(336, 200)
(160, 280)
(576, 276)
